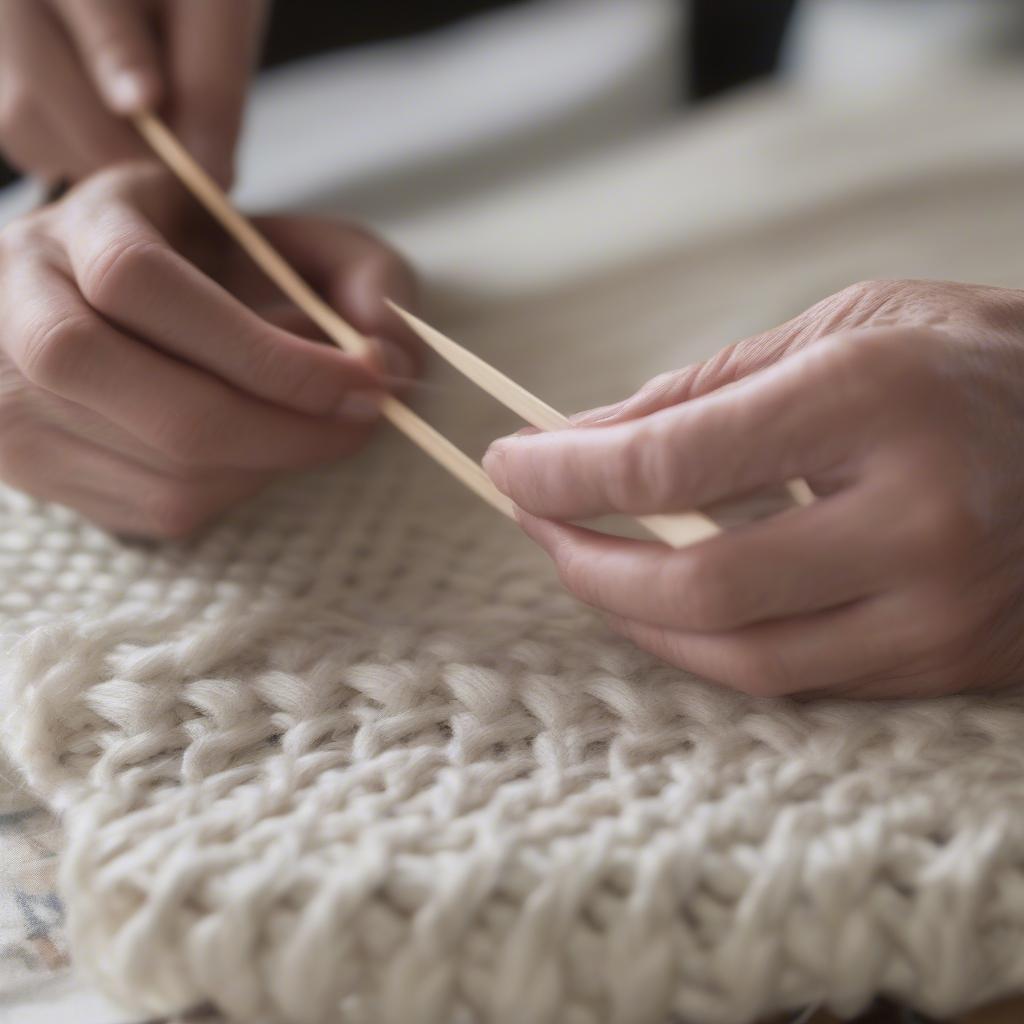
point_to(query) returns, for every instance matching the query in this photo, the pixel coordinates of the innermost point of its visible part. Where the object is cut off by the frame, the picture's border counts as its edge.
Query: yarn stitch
(328, 764)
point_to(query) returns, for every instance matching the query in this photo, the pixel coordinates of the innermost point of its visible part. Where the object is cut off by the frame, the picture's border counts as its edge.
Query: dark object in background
(731, 41)
(299, 30)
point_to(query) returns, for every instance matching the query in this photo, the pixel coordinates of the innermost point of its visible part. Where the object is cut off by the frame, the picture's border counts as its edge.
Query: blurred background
(386, 107)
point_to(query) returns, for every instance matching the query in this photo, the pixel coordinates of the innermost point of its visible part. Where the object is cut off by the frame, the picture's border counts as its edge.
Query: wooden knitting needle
(166, 145)
(676, 530)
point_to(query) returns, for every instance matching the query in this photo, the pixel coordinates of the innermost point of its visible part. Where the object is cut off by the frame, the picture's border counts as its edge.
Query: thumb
(118, 50)
(793, 420)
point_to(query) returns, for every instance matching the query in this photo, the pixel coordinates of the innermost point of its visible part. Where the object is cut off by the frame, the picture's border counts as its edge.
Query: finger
(725, 368)
(358, 273)
(30, 40)
(396, 372)
(812, 412)
(832, 650)
(89, 136)
(128, 273)
(28, 142)
(190, 416)
(293, 320)
(211, 52)
(800, 561)
(737, 361)
(116, 45)
(94, 428)
(119, 494)
(28, 139)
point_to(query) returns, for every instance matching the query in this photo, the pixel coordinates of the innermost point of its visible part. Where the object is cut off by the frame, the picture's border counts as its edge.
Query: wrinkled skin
(902, 404)
(151, 376)
(70, 70)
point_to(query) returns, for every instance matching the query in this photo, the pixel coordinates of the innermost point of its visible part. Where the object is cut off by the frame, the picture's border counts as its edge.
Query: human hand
(151, 376)
(902, 404)
(70, 70)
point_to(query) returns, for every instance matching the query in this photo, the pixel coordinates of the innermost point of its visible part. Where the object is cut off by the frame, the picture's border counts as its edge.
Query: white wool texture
(354, 756)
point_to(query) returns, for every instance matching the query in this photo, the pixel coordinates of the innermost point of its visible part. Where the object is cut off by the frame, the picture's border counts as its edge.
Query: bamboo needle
(166, 145)
(676, 530)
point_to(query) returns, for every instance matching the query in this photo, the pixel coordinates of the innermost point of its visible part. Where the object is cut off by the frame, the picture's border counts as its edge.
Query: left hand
(902, 404)
(151, 377)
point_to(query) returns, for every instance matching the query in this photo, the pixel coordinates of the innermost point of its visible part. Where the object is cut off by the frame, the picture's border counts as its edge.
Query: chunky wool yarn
(353, 757)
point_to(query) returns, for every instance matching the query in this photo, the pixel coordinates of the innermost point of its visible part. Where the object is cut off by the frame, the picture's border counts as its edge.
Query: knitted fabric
(342, 762)
(353, 755)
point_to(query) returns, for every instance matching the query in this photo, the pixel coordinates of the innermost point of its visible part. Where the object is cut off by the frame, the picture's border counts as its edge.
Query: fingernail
(359, 407)
(126, 91)
(494, 465)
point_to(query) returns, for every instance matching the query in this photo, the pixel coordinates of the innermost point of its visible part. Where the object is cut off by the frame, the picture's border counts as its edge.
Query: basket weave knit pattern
(337, 763)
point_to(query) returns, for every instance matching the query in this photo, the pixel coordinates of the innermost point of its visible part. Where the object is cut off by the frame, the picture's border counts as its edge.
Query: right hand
(151, 376)
(901, 403)
(71, 70)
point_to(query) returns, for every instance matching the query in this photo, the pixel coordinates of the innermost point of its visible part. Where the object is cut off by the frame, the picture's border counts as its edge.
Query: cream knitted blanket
(353, 756)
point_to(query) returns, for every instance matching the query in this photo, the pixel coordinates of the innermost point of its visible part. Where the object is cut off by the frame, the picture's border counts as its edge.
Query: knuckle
(115, 269)
(913, 349)
(705, 596)
(298, 380)
(946, 520)
(894, 372)
(867, 302)
(997, 308)
(864, 292)
(51, 353)
(184, 439)
(861, 368)
(857, 305)
(21, 235)
(672, 386)
(622, 477)
(641, 476)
